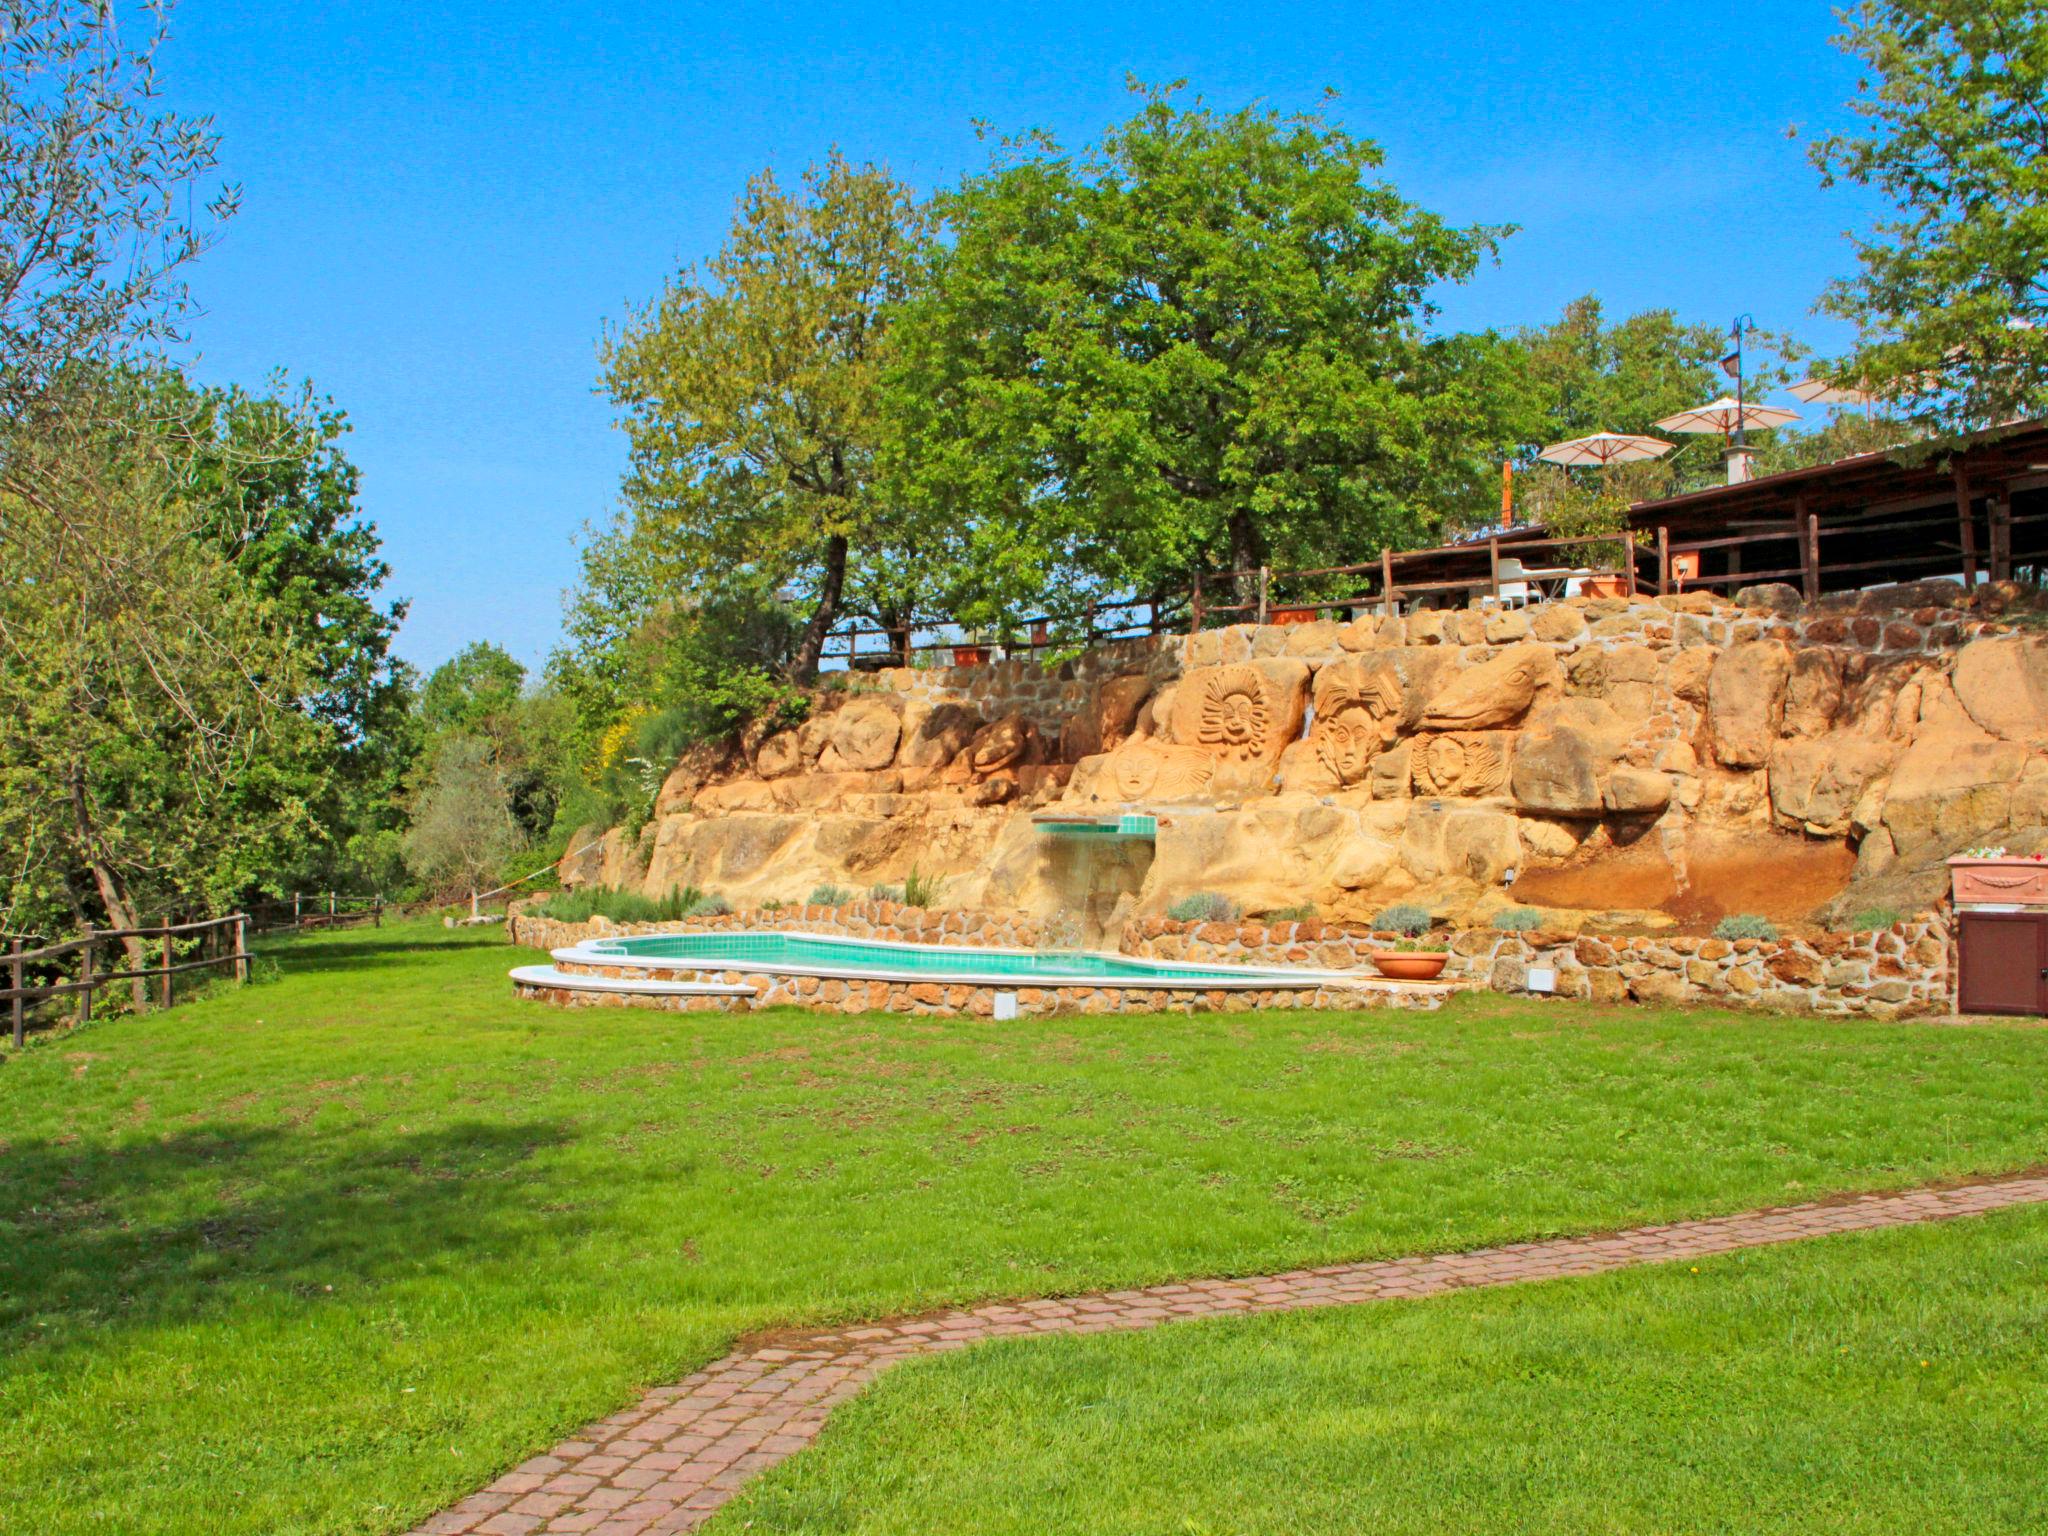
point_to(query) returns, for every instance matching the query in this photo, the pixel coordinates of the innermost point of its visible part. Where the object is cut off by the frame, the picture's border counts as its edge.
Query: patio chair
(1511, 590)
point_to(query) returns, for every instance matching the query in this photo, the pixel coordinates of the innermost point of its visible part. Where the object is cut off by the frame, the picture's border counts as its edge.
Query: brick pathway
(668, 1461)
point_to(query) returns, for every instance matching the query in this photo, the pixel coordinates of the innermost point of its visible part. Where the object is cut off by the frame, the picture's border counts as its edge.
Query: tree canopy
(1951, 302)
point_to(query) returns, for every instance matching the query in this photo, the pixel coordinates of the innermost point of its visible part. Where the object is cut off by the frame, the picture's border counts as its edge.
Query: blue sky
(443, 206)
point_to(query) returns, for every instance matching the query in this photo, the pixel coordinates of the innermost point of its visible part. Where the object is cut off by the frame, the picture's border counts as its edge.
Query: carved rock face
(1000, 744)
(1496, 692)
(1466, 764)
(864, 733)
(1151, 770)
(1357, 716)
(1246, 713)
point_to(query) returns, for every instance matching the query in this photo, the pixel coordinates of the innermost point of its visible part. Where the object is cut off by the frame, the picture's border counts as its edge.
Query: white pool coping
(548, 976)
(1214, 977)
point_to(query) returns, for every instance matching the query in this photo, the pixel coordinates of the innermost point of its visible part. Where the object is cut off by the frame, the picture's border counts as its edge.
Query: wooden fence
(212, 936)
(1498, 568)
(317, 910)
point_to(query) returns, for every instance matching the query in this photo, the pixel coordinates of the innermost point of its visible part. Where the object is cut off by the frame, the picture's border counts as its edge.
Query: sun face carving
(1235, 718)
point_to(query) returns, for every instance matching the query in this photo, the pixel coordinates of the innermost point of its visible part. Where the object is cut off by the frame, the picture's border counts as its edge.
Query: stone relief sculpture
(1148, 770)
(1466, 764)
(1356, 719)
(1235, 718)
(1496, 692)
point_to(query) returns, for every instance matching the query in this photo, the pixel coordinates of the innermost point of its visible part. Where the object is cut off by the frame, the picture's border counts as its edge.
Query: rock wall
(1904, 969)
(1637, 766)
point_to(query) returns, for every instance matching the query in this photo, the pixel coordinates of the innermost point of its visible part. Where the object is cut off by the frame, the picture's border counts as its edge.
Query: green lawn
(1878, 1384)
(326, 1253)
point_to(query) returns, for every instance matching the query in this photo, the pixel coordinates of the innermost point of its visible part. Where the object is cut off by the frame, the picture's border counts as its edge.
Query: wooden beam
(1809, 548)
(2000, 512)
(1663, 560)
(1966, 522)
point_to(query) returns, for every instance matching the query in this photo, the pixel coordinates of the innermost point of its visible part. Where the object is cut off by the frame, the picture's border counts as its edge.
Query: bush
(921, 890)
(831, 896)
(1874, 917)
(623, 906)
(1745, 925)
(1300, 914)
(1405, 918)
(1203, 907)
(886, 893)
(1518, 920)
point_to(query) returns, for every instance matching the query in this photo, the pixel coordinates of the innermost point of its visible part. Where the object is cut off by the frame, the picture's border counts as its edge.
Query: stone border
(1895, 972)
(668, 1462)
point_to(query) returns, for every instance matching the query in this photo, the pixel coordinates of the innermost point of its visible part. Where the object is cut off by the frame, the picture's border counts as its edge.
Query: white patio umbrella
(1605, 448)
(1821, 392)
(1725, 415)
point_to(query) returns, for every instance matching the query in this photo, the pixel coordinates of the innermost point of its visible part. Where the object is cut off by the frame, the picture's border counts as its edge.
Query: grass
(325, 1253)
(1888, 1382)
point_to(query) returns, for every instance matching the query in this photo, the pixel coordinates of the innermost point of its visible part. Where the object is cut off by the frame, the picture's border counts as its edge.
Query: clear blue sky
(443, 205)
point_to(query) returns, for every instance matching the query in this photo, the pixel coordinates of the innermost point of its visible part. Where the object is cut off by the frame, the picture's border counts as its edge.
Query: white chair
(1509, 587)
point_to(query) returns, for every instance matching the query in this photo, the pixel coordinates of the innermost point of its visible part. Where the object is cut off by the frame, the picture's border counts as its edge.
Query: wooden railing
(316, 910)
(213, 937)
(1255, 595)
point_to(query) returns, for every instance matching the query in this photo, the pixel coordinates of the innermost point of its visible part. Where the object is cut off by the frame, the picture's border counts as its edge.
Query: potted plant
(1410, 960)
(973, 652)
(1603, 584)
(1992, 876)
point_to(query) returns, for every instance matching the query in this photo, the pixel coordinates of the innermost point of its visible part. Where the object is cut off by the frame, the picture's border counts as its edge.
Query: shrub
(1874, 917)
(1745, 925)
(1203, 907)
(623, 906)
(1518, 920)
(708, 906)
(921, 890)
(1300, 914)
(885, 893)
(831, 896)
(1405, 918)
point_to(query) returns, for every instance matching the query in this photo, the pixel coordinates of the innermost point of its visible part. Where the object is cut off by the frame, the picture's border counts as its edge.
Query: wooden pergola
(1977, 510)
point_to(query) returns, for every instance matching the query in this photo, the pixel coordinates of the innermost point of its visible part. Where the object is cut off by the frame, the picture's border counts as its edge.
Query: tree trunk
(113, 892)
(804, 666)
(1247, 554)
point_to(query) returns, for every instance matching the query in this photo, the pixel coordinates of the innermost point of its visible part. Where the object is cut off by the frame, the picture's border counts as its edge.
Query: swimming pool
(809, 954)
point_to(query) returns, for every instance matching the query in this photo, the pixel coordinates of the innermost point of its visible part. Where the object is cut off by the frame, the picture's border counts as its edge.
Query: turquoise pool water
(815, 954)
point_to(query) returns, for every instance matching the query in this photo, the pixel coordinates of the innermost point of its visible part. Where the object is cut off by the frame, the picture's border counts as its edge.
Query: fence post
(1628, 555)
(377, 910)
(295, 909)
(1663, 560)
(164, 979)
(1809, 550)
(330, 903)
(1493, 566)
(1386, 582)
(85, 980)
(1265, 579)
(241, 947)
(19, 1010)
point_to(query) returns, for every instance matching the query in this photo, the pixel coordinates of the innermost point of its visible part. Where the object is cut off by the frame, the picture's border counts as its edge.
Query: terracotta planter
(1293, 615)
(1603, 586)
(970, 655)
(1410, 964)
(2000, 882)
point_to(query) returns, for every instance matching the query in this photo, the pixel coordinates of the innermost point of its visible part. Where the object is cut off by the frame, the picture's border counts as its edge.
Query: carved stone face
(1460, 765)
(1234, 712)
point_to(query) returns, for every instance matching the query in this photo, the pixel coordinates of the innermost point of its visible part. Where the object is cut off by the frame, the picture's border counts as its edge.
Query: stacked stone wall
(1899, 971)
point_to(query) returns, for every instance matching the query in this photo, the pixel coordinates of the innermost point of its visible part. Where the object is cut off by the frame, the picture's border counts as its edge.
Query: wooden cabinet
(2003, 962)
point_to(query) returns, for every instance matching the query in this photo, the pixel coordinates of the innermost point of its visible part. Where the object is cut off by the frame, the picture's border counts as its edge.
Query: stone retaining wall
(1892, 972)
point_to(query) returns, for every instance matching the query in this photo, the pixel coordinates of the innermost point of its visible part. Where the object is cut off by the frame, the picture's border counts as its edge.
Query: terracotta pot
(1999, 882)
(1410, 964)
(1604, 586)
(1293, 615)
(970, 655)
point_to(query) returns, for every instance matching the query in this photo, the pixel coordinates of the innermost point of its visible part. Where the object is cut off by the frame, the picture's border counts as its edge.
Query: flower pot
(970, 655)
(1293, 615)
(1410, 964)
(2010, 879)
(1604, 585)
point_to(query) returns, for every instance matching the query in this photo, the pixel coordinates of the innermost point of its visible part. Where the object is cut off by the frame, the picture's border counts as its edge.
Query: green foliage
(1199, 342)
(1518, 920)
(831, 896)
(628, 906)
(1404, 917)
(462, 828)
(750, 398)
(1951, 303)
(921, 890)
(474, 693)
(1298, 914)
(1415, 946)
(1745, 925)
(1203, 907)
(1871, 919)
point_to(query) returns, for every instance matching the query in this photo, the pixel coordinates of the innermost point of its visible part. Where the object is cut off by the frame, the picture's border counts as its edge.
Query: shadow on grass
(215, 1217)
(369, 951)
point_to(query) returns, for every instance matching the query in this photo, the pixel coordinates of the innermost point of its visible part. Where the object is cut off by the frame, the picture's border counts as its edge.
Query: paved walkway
(667, 1462)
